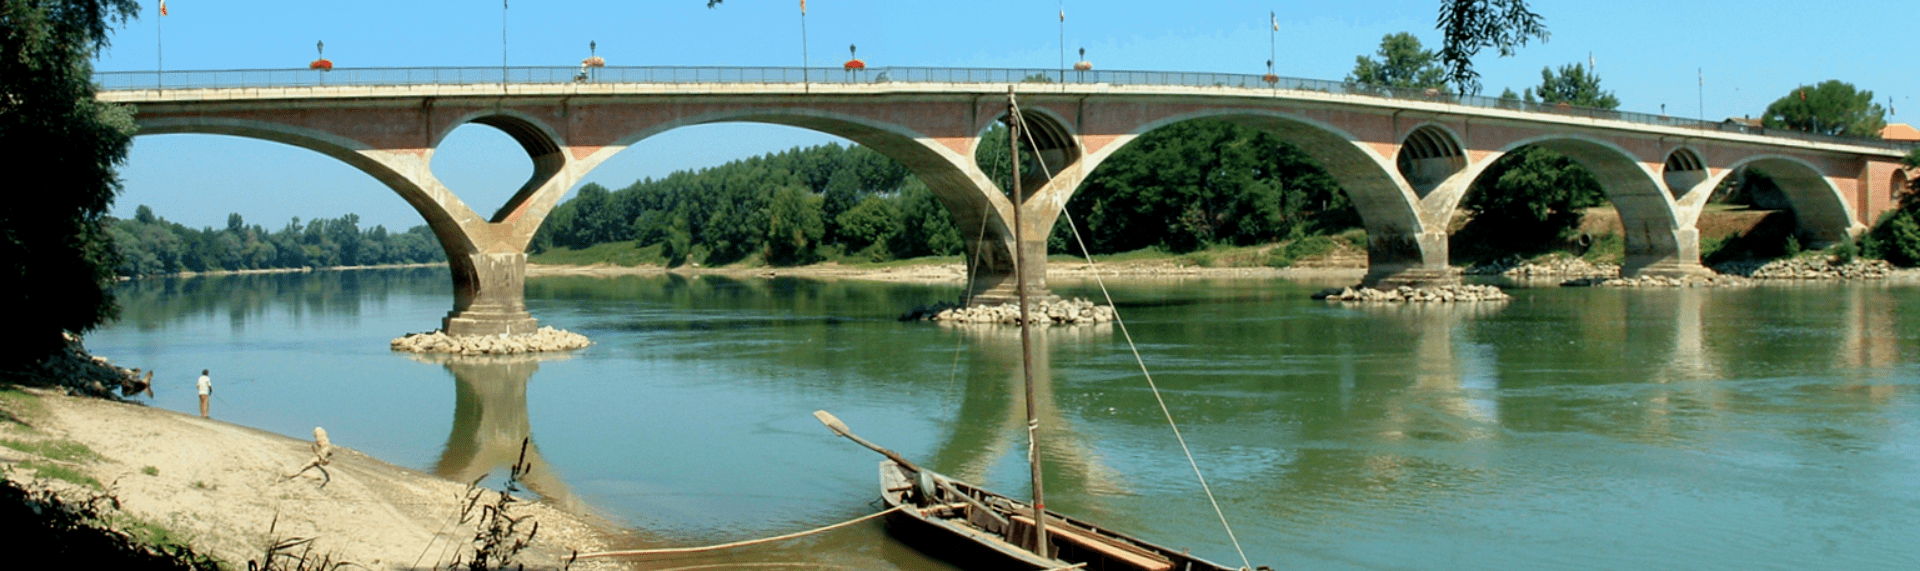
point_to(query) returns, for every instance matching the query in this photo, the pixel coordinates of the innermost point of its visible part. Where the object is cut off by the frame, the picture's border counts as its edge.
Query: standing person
(206, 390)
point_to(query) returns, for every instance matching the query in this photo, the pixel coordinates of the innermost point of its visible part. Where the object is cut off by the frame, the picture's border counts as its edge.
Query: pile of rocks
(79, 372)
(544, 340)
(1426, 294)
(1556, 266)
(1055, 312)
(1809, 268)
(1658, 281)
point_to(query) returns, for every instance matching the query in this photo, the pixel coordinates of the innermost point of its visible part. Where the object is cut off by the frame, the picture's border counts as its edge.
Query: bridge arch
(1820, 210)
(1401, 244)
(1429, 155)
(1659, 239)
(1684, 171)
(541, 142)
(394, 170)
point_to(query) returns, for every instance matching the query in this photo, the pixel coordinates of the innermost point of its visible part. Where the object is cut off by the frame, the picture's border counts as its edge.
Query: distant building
(1900, 132)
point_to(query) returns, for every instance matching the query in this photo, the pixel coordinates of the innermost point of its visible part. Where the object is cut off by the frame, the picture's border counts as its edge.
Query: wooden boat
(979, 529)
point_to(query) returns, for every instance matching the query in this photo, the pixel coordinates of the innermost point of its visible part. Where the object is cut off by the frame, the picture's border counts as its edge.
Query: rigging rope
(1122, 325)
(667, 550)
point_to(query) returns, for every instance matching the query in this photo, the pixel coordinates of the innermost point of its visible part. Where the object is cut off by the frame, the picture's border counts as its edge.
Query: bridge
(1405, 157)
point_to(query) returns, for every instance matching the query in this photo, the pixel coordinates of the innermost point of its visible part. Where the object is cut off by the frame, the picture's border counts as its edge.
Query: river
(1772, 427)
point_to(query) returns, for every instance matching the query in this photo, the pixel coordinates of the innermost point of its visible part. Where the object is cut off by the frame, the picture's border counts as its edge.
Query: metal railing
(295, 78)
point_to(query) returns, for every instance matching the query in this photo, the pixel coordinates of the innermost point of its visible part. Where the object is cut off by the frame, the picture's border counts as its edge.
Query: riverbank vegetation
(149, 245)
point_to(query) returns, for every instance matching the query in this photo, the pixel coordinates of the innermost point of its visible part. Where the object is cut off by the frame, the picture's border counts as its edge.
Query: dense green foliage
(1833, 107)
(55, 258)
(793, 207)
(1403, 63)
(1203, 183)
(1530, 199)
(150, 245)
(1467, 26)
(1896, 236)
(1573, 85)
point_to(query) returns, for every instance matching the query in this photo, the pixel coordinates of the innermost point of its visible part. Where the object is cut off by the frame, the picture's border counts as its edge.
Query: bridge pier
(1400, 258)
(1667, 253)
(489, 295)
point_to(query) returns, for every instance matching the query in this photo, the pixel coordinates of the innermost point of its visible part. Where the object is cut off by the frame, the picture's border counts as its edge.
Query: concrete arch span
(487, 260)
(1660, 238)
(1819, 208)
(1403, 245)
(541, 143)
(983, 213)
(393, 169)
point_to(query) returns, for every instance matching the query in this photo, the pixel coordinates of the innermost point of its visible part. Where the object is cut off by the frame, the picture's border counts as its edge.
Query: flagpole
(1702, 72)
(503, 46)
(806, 83)
(1063, 45)
(159, 48)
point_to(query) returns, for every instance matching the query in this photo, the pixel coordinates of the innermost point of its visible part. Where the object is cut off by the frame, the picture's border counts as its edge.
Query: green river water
(1772, 427)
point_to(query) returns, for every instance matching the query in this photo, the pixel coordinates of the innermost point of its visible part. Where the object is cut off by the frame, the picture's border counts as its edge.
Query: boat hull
(934, 522)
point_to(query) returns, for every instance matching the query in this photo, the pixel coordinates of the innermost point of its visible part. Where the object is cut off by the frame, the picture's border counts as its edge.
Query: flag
(163, 7)
(1275, 18)
(803, 7)
(1063, 15)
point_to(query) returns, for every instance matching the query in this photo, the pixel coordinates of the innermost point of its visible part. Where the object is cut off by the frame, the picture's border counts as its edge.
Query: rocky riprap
(1409, 294)
(1056, 312)
(1661, 281)
(1809, 268)
(80, 373)
(1556, 266)
(546, 339)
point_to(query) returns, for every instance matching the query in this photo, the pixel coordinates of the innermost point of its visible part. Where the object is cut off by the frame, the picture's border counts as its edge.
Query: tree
(1403, 63)
(1532, 197)
(1467, 26)
(56, 256)
(1833, 107)
(1896, 236)
(1572, 86)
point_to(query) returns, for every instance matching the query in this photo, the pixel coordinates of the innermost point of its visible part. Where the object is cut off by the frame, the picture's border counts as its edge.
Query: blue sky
(1648, 53)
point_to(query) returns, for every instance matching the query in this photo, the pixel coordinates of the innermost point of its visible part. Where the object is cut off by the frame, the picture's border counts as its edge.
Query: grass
(62, 473)
(150, 471)
(57, 450)
(20, 407)
(622, 253)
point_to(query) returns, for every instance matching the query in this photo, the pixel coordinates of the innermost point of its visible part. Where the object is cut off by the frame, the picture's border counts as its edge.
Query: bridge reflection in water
(490, 423)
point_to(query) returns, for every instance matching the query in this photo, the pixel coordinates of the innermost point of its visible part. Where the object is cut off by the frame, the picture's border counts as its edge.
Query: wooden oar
(841, 429)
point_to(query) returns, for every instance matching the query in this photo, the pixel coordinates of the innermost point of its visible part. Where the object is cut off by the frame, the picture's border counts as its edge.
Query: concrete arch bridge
(1405, 158)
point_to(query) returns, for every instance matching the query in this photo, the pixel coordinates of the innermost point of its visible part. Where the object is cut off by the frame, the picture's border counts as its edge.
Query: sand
(223, 486)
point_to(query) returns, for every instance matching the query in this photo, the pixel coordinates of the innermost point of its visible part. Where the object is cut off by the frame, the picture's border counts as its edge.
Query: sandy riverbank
(222, 486)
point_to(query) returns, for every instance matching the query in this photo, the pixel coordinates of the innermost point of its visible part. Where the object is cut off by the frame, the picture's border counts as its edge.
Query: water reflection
(490, 422)
(989, 425)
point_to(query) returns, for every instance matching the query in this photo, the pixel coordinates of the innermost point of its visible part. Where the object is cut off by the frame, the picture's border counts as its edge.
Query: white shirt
(205, 385)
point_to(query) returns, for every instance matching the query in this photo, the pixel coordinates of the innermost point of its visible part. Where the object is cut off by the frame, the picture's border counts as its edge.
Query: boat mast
(1026, 338)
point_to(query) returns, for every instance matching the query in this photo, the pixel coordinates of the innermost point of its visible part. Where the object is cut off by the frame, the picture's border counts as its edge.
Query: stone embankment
(80, 373)
(1810, 268)
(1408, 294)
(1716, 280)
(1557, 267)
(544, 340)
(1056, 312)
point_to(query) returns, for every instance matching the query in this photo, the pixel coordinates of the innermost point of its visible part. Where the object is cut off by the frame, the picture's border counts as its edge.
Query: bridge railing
(296, 78)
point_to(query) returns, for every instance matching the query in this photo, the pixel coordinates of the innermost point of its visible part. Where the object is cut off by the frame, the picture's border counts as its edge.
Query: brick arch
(1819, 209)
